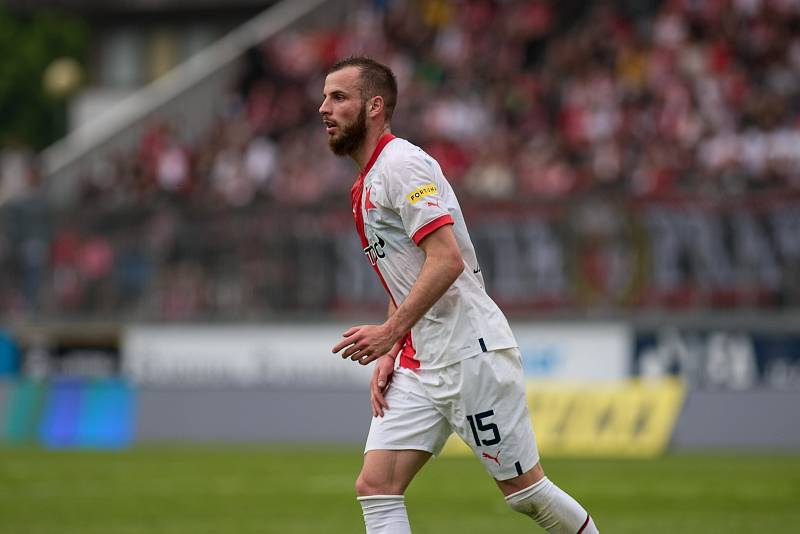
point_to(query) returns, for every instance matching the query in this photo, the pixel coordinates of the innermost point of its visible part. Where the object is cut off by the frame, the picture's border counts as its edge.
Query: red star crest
(368, 205)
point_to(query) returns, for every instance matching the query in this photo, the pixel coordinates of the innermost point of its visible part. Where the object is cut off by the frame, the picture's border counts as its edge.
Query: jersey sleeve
(415, 192)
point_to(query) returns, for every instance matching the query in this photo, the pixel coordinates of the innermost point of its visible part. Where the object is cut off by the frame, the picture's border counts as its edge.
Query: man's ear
(375, 106)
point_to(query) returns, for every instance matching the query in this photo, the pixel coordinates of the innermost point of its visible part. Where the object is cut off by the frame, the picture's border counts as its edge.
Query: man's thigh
(389, 472)
(412, 421)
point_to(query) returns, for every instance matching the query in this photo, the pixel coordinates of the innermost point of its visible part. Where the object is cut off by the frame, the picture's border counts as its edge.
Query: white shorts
(481, 398)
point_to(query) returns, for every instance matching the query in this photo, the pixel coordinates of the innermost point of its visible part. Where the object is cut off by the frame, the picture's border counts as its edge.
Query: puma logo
(490, 457)
(434, 204)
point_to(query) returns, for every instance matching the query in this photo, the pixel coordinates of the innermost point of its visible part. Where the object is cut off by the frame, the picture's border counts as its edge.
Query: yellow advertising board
(633, 418)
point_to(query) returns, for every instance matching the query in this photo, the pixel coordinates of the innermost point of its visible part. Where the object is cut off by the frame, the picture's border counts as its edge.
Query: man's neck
(363, 153)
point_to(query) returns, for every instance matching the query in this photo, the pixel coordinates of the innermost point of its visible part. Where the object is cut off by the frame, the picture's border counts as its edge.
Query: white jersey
(399, 198)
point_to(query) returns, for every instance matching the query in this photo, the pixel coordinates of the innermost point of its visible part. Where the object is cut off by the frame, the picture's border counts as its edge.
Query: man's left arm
(443, 264)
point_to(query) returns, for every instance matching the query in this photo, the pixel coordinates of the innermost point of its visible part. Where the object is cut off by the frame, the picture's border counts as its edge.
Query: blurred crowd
(518, 100)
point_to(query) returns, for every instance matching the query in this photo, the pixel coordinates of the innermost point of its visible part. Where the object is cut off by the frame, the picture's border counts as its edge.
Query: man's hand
(381, 378)
(366, 343)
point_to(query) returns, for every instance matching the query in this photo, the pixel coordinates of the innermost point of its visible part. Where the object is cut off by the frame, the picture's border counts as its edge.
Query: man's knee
(525, 506)
(389, 472)
(363, 487)
(552, 509)
(369, 484)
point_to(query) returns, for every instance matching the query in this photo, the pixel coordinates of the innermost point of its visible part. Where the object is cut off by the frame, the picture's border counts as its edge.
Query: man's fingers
(377, 411)
(380, 393)
(342, 344)
(382, 403)
(364, 360)
(351, 351)
(378, 404)
(350, 337)
(350, 331)
(378, 386)
(377, 383)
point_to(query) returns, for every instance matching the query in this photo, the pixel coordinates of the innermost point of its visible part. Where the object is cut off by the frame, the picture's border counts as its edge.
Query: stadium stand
(645, 154)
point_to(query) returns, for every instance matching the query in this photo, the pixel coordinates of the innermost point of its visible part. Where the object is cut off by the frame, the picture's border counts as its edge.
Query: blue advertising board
(720, 359)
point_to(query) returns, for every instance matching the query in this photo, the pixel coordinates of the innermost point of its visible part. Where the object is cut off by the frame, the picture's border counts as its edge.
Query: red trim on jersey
(428, 229)
(408, 354)
(358, 189)
(382, 142)
(584, 523)
(356, 192)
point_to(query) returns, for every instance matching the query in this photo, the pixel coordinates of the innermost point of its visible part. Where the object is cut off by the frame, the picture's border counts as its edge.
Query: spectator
(518, 100)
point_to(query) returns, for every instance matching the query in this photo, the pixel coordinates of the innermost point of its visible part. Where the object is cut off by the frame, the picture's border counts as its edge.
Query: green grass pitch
(301, 490)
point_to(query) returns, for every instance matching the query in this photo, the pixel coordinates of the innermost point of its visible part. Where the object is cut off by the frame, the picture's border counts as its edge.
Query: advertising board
(628, 418)
(301, 354)
(593, 352)
(238, 356)
(716, 359)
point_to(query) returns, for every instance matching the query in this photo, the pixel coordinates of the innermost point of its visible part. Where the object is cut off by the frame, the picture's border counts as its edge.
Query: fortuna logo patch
(422, 192)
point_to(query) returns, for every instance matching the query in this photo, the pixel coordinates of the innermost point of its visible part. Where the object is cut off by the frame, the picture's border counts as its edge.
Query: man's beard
(352, 136)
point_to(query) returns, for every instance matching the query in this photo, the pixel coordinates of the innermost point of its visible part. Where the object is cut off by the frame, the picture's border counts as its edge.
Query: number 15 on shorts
(477, 424)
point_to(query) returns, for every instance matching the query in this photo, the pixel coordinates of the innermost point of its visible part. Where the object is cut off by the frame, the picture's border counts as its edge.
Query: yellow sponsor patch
(421, 192)
(631, 418)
